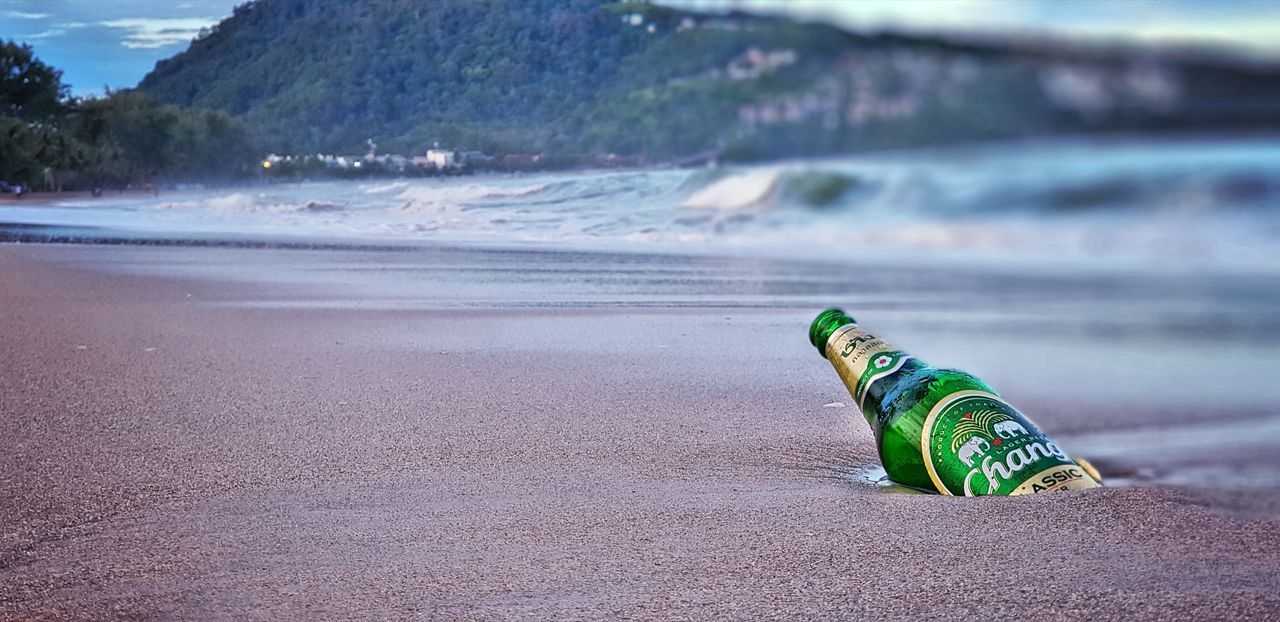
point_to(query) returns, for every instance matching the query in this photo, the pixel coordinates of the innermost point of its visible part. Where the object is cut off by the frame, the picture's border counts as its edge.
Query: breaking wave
(379, 188)
(766, 189)
(443, 198)
(231, 203)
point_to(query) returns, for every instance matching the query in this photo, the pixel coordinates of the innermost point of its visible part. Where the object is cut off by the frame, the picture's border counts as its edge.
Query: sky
(113, 43)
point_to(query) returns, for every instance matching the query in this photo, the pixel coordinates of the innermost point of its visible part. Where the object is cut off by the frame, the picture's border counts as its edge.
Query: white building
(441, 158)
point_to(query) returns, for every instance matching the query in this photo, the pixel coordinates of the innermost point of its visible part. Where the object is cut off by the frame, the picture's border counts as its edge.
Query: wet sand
(210, 447)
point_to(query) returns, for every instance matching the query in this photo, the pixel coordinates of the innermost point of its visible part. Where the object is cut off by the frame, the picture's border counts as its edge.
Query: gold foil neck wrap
(851, 350)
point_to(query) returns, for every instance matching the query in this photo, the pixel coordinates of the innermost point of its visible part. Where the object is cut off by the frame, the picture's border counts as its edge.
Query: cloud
(25, 15)
(52, 32)
(152, 32)
(921, 14)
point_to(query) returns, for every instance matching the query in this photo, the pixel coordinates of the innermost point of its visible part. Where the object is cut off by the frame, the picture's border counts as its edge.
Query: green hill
(589, 77)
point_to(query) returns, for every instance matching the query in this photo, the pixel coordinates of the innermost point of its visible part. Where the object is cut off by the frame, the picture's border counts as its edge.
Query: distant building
(441, 158)
(393, 162)
(435, 158)
(474, 157)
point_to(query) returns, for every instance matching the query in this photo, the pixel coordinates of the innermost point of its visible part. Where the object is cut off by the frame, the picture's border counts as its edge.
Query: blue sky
(107, 42)
(116, 42)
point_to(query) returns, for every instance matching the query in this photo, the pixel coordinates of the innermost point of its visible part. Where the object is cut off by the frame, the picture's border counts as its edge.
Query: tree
(49, 140)
(29, 89)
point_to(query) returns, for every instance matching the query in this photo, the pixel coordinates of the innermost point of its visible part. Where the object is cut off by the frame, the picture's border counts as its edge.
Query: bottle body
(942, 429)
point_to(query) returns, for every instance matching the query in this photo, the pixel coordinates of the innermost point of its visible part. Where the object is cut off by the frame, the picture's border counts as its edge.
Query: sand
(191, 448)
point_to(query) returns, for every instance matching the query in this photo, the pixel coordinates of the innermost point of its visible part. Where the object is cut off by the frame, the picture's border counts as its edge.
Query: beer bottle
(942, 429)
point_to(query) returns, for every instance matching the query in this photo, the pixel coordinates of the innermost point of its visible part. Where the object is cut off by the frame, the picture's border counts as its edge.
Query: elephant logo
(972, 448)
(1009, 429)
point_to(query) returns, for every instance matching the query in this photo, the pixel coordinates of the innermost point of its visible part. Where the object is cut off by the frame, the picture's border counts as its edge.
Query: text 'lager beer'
(942, 429)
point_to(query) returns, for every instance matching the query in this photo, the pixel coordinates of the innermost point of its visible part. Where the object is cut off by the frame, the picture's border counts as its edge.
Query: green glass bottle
(942, 429)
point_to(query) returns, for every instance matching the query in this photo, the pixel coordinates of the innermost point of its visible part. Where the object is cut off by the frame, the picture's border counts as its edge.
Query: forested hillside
(323, 74)
(593, 77)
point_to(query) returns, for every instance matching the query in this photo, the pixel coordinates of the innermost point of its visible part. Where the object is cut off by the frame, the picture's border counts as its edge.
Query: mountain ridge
(596, 77)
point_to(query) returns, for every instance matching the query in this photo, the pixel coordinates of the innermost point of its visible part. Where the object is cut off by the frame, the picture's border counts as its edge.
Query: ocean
(1177, 203)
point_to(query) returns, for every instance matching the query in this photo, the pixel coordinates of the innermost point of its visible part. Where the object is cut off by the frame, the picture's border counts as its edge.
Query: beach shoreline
(48, 197)
(204, 447)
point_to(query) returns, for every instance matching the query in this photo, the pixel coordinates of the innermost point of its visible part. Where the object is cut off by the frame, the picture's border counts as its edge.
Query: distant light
(357, 165)
(266, 164)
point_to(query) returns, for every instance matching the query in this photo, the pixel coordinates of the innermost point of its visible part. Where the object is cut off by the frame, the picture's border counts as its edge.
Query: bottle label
(863, 359)
(976, 444)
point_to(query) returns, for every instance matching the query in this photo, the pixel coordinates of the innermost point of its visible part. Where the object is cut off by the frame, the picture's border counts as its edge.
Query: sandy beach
(501, 310)
(207, 434)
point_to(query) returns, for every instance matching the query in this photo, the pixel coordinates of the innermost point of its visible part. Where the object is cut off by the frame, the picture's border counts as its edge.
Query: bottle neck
(867, 364)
